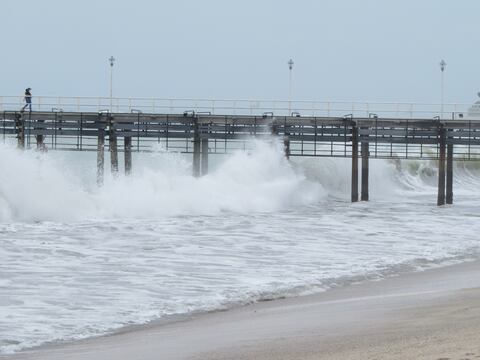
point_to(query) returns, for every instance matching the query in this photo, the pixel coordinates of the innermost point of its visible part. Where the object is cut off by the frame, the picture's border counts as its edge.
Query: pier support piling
(112, 139)
(20, 129)
(324, 136)
(365, 169)
(286, 139)
(449, 197)
(286, 145)
(273, 127)
(354, 163)
(441, 168)
(127, 144)
(40, 138)
(100, 156)
(40, 144)
(204, 156)
(196, 148)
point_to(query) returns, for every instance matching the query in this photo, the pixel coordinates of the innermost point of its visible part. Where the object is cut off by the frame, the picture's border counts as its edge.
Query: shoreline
(435, 312)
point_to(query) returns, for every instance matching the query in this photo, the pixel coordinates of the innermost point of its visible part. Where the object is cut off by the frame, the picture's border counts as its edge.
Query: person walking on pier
(28, 99)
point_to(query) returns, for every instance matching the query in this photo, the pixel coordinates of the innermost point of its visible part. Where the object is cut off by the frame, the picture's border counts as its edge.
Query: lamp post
(443, 65)
(112, 61)
(290, 67)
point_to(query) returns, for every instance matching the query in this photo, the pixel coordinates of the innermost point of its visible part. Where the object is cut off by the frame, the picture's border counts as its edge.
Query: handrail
(238, 106)
(252, 100)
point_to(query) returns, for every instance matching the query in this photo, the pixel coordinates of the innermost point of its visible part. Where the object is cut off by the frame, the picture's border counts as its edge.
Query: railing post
(441, 167)
(354, 162)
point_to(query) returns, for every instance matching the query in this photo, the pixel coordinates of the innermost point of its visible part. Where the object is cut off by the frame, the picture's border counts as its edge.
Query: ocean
(78, 261)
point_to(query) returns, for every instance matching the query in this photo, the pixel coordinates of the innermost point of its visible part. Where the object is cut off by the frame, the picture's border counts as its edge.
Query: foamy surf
(78, 261)
(39, 187)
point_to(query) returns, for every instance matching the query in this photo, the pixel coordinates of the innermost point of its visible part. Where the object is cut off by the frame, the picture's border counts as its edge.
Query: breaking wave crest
(61, 186)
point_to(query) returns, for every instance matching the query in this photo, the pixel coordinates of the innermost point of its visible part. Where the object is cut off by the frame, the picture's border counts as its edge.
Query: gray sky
(370, 50)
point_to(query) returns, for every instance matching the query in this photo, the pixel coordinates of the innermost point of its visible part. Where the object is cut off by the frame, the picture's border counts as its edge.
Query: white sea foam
(37, 187)
(79, 261)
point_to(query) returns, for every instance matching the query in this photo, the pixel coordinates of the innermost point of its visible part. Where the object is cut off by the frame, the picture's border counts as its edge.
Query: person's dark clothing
(28, 99)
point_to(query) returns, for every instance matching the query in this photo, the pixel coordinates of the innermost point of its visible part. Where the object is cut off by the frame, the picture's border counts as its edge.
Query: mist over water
(79, 261)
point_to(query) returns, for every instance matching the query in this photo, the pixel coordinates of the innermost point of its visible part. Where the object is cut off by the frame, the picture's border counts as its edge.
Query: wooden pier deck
(203, 134)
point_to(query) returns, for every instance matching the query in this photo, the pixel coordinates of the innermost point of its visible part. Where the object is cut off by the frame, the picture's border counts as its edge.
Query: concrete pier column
(196, 148)
(365, 169)
(441, 168)
(204, 156)
(127, 141)
(100, 156)
(112, 139)
(354, 163)
(449, 197)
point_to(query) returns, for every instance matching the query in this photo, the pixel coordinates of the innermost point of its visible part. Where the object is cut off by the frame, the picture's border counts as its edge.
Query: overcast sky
(366, 50)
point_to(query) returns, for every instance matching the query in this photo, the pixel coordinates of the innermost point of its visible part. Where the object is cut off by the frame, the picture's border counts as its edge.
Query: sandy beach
(433, 314)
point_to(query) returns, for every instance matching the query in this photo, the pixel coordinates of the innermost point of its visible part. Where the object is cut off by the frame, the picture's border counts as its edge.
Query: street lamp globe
(290, 64)
(443, 64)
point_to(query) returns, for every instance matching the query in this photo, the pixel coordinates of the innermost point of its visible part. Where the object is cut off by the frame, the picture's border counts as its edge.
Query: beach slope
(433, 314)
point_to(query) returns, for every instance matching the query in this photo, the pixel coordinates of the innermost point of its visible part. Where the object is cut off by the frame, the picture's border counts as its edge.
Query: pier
(204, 134)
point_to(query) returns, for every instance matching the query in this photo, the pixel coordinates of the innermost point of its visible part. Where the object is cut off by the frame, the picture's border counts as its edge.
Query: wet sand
(433, 314)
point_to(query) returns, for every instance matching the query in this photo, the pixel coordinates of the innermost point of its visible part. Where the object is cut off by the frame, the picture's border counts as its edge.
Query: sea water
(78, 261)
